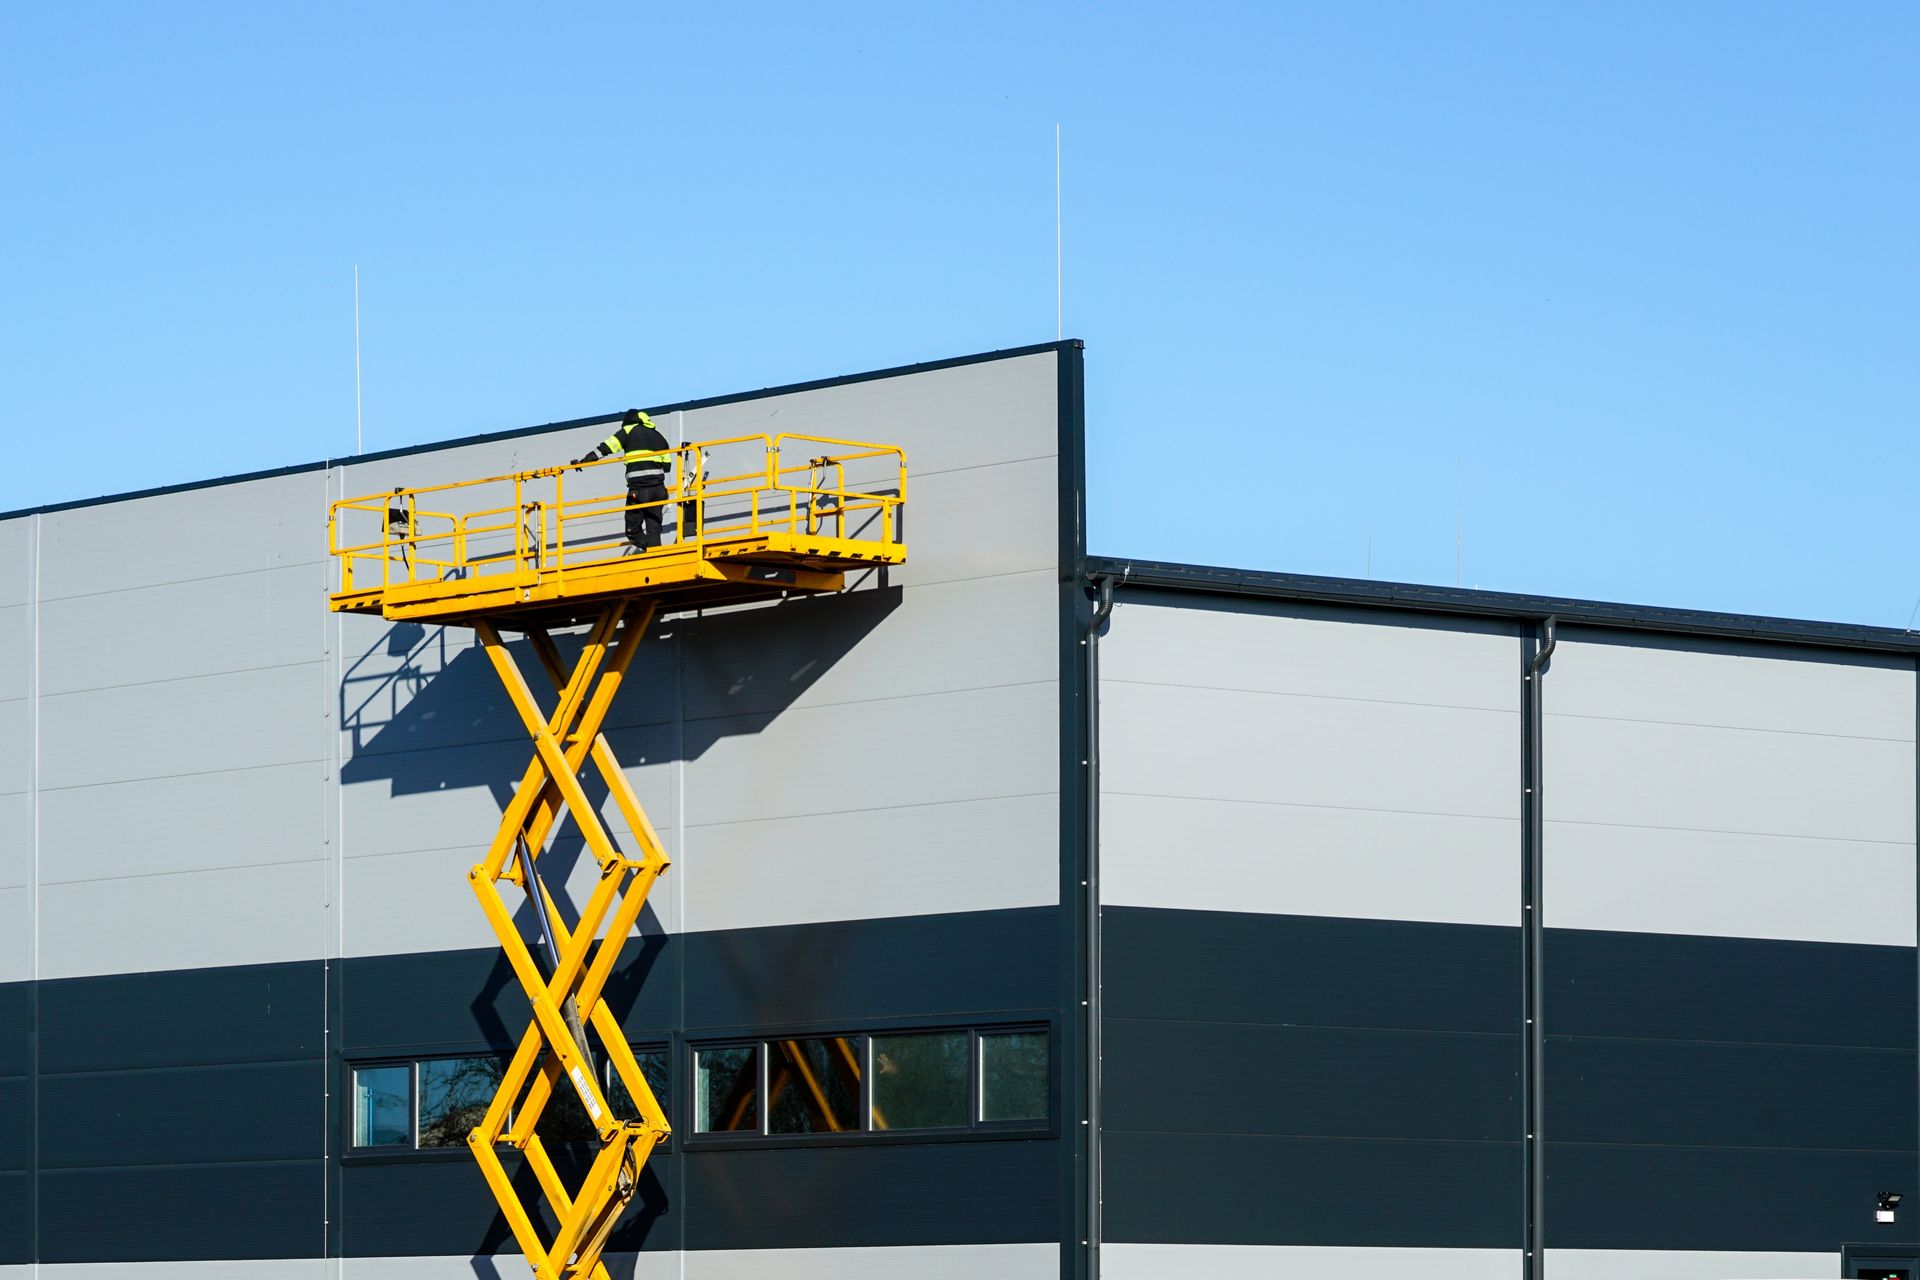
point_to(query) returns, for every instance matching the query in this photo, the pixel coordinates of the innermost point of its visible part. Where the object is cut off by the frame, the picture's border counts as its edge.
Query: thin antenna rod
(1459, 518)
(1059, 294)
(359, 427)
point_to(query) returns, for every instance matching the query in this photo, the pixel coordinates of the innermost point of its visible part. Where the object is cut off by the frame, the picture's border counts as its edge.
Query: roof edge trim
(1459, 601)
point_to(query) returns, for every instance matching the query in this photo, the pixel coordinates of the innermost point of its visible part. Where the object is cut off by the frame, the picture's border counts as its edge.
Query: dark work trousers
(643, 524)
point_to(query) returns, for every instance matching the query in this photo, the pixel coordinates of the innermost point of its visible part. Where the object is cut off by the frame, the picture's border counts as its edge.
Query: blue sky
(1619, 298)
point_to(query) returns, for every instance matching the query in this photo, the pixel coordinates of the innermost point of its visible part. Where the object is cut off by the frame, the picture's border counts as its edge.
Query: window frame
(975, 1129)
(353, 1152)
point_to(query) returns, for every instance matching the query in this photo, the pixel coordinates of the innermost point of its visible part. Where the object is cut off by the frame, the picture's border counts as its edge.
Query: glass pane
(454, 1096)
(813, 1086)
(1013, 1076)
(653, 1068)
(383, 1106)
(564, 1119)
(726, 1089)
(920, 1081)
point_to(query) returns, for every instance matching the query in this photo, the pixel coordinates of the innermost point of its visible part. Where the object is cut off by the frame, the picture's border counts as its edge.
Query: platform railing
(532, 522)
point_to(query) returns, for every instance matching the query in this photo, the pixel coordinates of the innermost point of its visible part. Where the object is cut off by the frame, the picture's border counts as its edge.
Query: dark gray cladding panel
(1704, 1093)
(937, 1193)
(407, 1003)
(1315, 970)
(1242, 1078)
(184, 1017)
(441, 1207)
(16, 1123)
(858, 970)
(1187, 1188)
(1615, 1196)
(184, 1115)
(16, 1020)
(15, 1229)
(183, 1212)
(1665, 986)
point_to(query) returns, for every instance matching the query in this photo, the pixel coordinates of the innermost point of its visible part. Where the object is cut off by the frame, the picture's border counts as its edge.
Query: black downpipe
(1102, 610)
(1532, 944)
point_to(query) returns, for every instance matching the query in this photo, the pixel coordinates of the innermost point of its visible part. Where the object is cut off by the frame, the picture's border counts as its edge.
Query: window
(813, 1086)
(383, 1106)
(953, 1081)
(920, 1081)
(434, 1103)
(726, 1089)
(1013, 1076)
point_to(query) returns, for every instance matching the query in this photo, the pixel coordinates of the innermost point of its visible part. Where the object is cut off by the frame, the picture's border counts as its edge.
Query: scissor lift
(520, 553)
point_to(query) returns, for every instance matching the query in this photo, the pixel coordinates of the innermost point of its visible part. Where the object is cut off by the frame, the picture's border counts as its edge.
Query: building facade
(1178, 921)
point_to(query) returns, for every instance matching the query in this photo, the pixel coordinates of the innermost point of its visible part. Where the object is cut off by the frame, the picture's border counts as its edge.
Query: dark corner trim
(486, 437)
(1257, 584)
(1536, 651)
(1079, 1171)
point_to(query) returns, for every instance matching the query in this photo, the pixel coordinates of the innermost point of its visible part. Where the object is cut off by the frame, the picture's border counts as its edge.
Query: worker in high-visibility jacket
(648, 455)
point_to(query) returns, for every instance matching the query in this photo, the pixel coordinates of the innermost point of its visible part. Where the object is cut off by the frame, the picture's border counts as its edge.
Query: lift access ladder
(749, 518)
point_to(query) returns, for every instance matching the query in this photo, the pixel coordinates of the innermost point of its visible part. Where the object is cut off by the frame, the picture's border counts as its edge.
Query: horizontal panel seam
(1720, 1146)
(1730, 728)
(196, 773)
(1309, 1137)
(315, 1059)
(180, 582)
(320, 857)
(1569, 1036)
(1319, 1026)
(1305, 804)
(1728, 831)
(1311, 697)
(290, 1161)
(222, 673)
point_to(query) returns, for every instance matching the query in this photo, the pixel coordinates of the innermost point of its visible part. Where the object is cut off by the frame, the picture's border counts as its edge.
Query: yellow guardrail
(526, 522)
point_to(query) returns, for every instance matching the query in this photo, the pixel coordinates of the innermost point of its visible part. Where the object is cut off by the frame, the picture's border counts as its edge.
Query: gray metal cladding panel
(870, 646)
(190, 1115)
(178, 537)
(200, 1017)
(1702, 1093)
(857, 970)
(895, 1194)
(16, 560)
(16, 745)
(435, 1206)
(1216, 966)
(1743, 990)
(236, 721)
(1727, 789)
(1621, 1196)
(198, 822)
(967, 855)
(938, 748)
(209, 627)
(16, 652)
(16, 1228)
(1310, 761)
(106, 926)
(267, 1210)
(16, 1122)
(1676, 680)
(1181, 1188)
(1312, 651)
(1240, 1078)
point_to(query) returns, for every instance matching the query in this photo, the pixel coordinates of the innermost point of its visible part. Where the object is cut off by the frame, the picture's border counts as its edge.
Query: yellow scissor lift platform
(746, 519)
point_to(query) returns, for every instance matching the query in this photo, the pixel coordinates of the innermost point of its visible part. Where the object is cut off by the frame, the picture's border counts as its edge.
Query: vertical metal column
(1538, 651)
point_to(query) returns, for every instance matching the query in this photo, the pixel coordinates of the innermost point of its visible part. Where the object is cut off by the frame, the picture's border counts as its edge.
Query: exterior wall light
(1889, 1204)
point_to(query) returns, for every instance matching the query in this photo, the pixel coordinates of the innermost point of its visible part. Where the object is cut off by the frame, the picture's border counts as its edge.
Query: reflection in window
(1013, 1076)
(383, 1106)
(813, 1086)
(653, 1069)
(726, 1088)
(564, 1119)
(454, 1096)
(920, 1081)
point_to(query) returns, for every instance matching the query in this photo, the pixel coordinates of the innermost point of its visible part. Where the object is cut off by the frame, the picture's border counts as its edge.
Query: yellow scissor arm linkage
(753, 517)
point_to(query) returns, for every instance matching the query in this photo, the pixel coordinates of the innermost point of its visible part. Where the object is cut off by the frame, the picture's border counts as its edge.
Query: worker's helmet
(634, 418)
